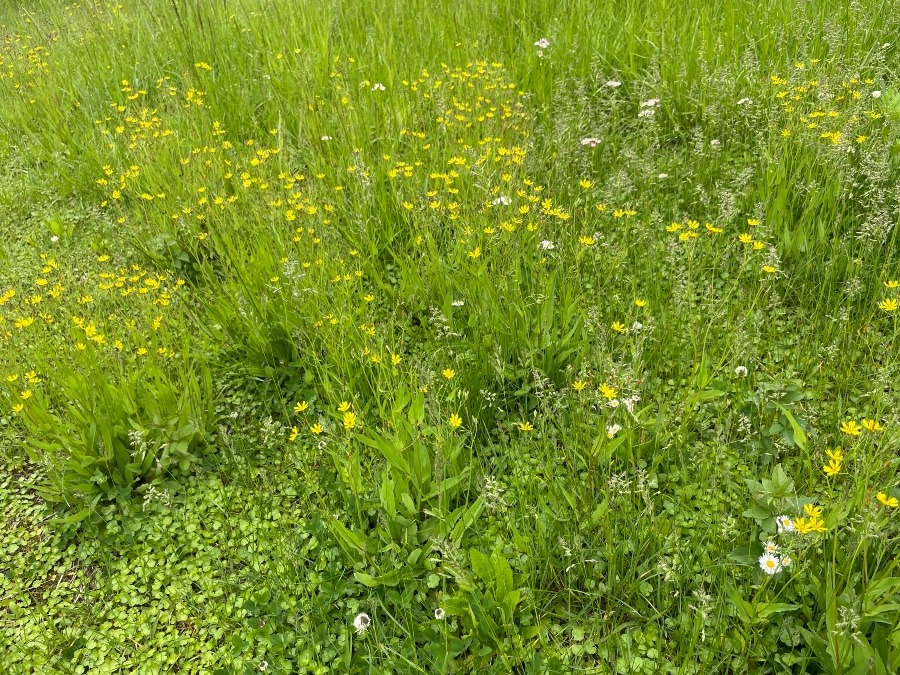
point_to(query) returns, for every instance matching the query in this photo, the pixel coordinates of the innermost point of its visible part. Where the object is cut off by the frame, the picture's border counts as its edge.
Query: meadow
(406, 336)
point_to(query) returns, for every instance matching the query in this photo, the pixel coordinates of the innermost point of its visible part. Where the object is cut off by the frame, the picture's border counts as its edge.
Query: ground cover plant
(413, 337)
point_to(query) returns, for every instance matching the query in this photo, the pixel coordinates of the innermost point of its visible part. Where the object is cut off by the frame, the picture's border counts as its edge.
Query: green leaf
(747, 553)
(481, 565)
(799, 434)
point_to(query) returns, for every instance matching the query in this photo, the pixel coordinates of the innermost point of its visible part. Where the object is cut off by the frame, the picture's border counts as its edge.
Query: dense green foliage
(430, 337)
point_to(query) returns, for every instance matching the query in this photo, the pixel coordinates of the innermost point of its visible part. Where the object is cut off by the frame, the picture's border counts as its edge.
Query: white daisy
(769, 563)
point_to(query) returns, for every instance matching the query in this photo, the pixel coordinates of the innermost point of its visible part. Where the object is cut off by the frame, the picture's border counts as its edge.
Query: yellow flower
(837, 454)
(888, 305)
(455, 421)
(871, 425)
(768, 269)
(832, 469)
(851, 428)
(395, 359)
(25, 395)
(12, 378)
(586, 241)
(475, 252)
(812, 511)
(294, 433)
(891, 283)
(752, 222)
(579, 385)
(349, 420)
(585, 183)
(745, 238)
(640, 303)
(316, 429)
(802, 525)
(449, 373)
(607, 391)
(619, 327)
(758, 246)
(524, 426)
(887, 501)
(816, 525)
(102, 258)
(300, 407)
(344, 406)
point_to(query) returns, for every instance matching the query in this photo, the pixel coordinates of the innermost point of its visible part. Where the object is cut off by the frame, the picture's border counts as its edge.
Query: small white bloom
(662, 176)
(54, 239)
(591, 141)
(630, 402)
(543, 43)
(613, 403)
(786, 562)
(547, 245)
(650, 103)
(784, 524)
(612, 430)
(326, 138)
(770, 547)
(637, 325)
(876, 94)
(613, 83)
(647, 112)
(362, 622)
(264, 666)
(458, 303)
(378, 87)
(745, 101)
(769, 563)
(502, 200)
(740, 371)
(715, 143)
(439, 614)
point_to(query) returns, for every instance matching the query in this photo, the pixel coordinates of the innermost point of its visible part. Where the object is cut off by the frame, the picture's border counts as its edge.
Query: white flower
(378, 87)
(458, 303)
(786, 562)
(54, 239)
(636, 326)
(613, 83)
(362, 622)
(326, 138)
(647, 112)
(784, 524)
(502, 200)
(740, 371)
(547, 245)
(769, 563)
(439, 614)
(715, 143)
(543, 43)
(662, 176)
(613, 403)
(591, 141)
(650, 103)
(770, 547)
(612, 430)
(745, 101)
(876, 94)
(263, 665)
(629, 402)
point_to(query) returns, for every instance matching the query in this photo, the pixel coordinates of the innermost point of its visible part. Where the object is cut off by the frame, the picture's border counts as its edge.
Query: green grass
(310, 310)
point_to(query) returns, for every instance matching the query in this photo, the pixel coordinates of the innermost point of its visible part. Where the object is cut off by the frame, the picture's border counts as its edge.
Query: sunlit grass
(449, 337)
